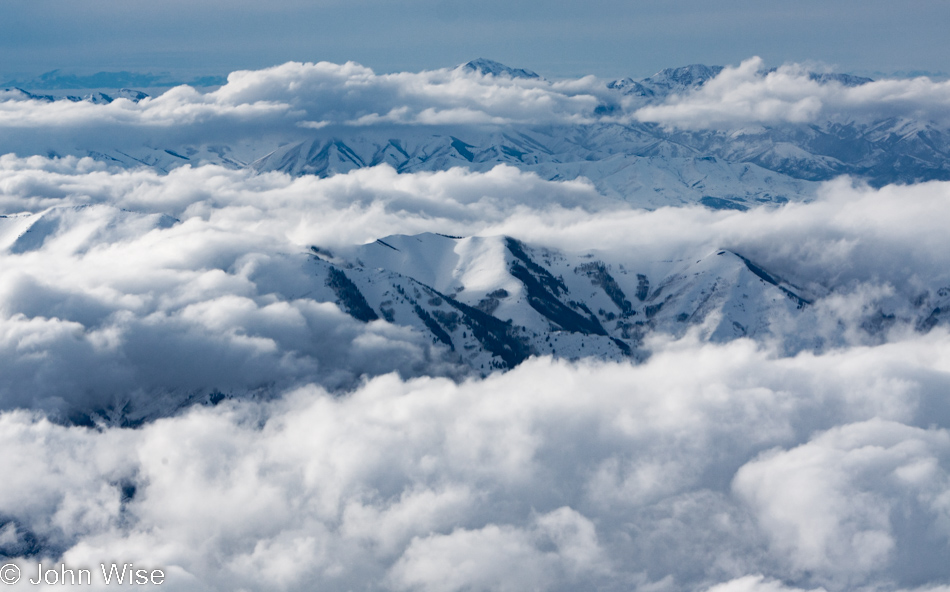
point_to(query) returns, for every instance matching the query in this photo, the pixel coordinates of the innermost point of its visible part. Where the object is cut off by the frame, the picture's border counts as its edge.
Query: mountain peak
(685, 76)
(60, 80)
(666, 81)
(484, 67)
(843, 79)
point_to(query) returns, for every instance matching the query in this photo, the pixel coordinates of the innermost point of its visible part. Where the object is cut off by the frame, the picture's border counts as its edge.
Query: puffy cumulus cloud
(96, 335)
(503, 558)
(295, 96)
(754, 583)
(181, 105)
(848, 232)
(354, 94)
(836, 498)
(406, 202)
(749, 472)
(748, 95)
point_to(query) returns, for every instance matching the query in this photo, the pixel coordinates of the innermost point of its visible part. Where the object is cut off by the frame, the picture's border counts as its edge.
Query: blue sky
(610, 38)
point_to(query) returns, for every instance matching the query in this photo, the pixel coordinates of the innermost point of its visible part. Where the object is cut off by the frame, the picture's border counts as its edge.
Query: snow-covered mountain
(646, 164)
(95, 97)
(478, 304)
(623, 163)
(494, 301)
(882, 151)
(484, 66)
(666, 82)
(642, 164)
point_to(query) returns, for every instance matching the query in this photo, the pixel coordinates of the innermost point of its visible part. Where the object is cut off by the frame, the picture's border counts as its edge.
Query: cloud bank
(748, 95)
(296, 98)
(194, 284)
(357, 456)
(749, 472)
(319, 94)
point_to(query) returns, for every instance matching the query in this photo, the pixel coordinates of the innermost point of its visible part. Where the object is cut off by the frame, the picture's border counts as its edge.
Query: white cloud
(502, 558)
(841, 498)
(813, 471)
(283, 102)
(747, 95)
(707, 467)
(753, 583)
(297, 94)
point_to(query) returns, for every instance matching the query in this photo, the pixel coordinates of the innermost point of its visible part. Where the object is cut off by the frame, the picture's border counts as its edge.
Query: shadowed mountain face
(485, 67)
(492, 302)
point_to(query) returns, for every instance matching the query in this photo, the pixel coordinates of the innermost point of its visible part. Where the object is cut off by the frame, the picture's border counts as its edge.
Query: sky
(607, 38)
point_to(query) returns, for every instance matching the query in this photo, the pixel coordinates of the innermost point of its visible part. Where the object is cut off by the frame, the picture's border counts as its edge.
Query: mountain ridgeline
(494, 301)
(645, 164)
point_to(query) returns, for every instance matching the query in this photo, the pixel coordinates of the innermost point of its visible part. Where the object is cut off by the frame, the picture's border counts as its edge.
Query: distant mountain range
(57, 79)
(97, 98)
(644, 163)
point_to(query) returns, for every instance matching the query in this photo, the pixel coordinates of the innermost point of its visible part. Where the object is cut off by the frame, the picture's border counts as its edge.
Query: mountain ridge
(644, 163)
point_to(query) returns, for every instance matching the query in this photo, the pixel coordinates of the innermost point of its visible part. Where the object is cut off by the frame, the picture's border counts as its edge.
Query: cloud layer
(176, 287)
(296, 98)
(749, 95)
(314, 95)
(723, 467)
(749, 470)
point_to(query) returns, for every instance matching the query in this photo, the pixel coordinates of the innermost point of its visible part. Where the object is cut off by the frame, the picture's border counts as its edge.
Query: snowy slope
(622, 163)
(494, 300)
